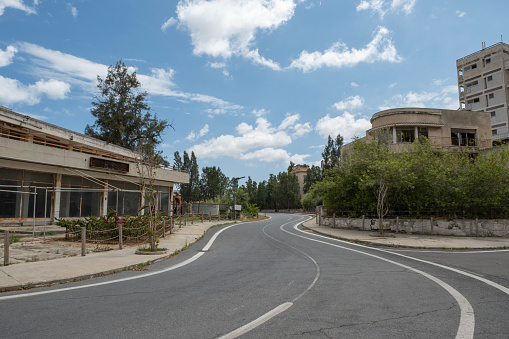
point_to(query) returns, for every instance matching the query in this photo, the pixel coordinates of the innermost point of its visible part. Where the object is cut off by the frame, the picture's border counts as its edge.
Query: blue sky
(248, 84)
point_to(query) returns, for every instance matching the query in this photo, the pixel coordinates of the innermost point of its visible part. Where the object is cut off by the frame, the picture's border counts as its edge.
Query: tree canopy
(123, 116)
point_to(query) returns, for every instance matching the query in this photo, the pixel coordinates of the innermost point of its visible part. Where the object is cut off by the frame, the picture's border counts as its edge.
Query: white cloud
(353, 84)
(48, 63)
(339, 55)
(226, 28)
(383, 7)
(168, 23)
(407, 6)
(260, 113)
(373, 5)
(16, 4)
(7, 55)
(263, 135)
(446, 98)
(191, 136)
(351, 103)
(73, 10)
(347, 124)
(291, 123)
(271, 154)
(393, 85)
(217, 65)
(460, 14)
(204, 131)
(12, 91)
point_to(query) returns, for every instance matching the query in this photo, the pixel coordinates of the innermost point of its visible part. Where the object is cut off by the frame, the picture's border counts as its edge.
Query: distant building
(483, 85)
(301, 173)
(73, 175)
(448, 129)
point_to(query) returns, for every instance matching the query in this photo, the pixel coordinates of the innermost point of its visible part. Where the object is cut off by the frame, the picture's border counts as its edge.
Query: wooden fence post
(83, 241)
(333, 220)
(164, 228)
(397, 224)
(6, 248)
(201, 216)
(363, 219)
(120, 238)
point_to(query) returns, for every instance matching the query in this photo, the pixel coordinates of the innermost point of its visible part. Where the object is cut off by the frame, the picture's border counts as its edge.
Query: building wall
(51, 168)
(438, 124)
(483, 78)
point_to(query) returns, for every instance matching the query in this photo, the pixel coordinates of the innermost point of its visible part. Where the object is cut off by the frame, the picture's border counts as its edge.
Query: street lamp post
(236, 182)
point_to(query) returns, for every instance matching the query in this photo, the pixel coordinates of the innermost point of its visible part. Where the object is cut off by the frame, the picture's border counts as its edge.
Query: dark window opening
(405, 134)
(463, 138)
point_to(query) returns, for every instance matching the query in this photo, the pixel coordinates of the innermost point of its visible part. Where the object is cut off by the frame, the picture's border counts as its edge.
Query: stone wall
(462, 227)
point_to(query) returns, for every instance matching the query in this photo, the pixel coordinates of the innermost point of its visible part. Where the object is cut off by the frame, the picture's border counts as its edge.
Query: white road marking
(281, 308)
(185, 262)
(467, 319)
(257, 322)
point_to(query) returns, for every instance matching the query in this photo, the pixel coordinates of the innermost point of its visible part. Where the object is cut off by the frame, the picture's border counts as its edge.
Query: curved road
(272, 279)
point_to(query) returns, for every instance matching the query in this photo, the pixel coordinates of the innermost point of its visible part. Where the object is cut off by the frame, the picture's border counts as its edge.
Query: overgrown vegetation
(422, 181)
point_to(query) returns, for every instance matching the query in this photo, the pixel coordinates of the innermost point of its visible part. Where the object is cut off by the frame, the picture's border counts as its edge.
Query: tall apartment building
(483, 84)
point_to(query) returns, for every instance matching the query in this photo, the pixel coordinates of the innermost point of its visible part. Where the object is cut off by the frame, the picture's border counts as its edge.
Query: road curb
(27, 286)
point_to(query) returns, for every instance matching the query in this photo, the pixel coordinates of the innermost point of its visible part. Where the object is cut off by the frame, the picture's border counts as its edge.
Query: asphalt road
(271, 279)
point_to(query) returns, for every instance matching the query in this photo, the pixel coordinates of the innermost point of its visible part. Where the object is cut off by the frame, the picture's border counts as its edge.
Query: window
(463, 137)
(491, 95)
(490, 78)
(494, 131)
(405, 134)
(473, 101)
(493, 114)
(422, 132)
(488, 61)
(474, 66)
(473, 83)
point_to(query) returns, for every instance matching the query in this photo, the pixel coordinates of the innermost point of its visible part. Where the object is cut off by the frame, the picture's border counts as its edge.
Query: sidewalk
(409, 240)
(71, 268)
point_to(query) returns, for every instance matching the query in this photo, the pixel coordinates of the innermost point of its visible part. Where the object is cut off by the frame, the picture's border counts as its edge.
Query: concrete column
(416, 133)
(394, 136)
(57, 185)
(104, 199)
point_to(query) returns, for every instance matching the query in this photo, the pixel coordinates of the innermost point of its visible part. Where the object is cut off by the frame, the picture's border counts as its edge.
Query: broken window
(405, 134)
(463, 137)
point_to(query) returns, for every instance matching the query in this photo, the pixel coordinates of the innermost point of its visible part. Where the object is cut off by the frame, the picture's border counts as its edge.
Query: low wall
(463, 227)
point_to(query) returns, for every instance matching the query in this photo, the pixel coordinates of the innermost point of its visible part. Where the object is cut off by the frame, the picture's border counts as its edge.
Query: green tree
(313, 174)
(332, 152)
(213, 183)
(122, 115)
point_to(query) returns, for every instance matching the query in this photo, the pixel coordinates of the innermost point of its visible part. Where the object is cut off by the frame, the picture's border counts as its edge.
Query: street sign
(238, 207)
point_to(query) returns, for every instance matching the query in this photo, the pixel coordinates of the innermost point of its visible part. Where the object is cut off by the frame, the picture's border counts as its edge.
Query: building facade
(483, 80)
(445, 128)
(448, 129)
(49, 172)
(301, 174)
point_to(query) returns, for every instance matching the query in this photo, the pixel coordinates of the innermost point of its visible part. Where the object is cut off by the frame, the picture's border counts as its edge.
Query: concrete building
(448, 129)
(73, 175)
(444, 128)
(483, 80)
(301, 173)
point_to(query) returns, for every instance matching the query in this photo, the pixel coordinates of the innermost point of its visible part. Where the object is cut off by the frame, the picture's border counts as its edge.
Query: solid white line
(467, 319)
(257, 322)
(183, 263)
(471, 275)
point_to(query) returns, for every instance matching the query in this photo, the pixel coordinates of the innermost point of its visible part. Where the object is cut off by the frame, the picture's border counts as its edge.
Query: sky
(249, 85)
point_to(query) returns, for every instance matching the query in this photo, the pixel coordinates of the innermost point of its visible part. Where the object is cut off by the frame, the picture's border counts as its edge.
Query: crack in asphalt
(321, 330)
